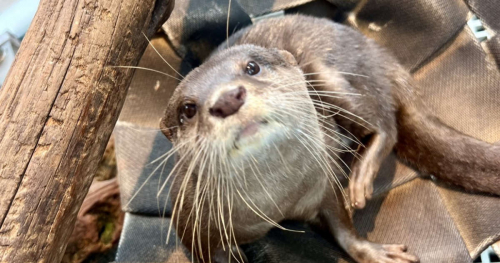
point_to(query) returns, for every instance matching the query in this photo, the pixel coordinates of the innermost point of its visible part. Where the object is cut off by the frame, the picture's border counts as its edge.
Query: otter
(261, 127)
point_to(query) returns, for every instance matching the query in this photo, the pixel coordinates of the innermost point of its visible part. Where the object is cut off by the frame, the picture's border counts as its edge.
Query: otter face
(241, 102)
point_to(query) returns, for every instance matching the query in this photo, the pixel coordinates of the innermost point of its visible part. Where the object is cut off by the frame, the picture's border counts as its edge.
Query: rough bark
(58, 107)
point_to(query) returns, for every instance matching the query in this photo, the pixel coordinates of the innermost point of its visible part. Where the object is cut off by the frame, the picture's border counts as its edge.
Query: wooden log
(58, 107)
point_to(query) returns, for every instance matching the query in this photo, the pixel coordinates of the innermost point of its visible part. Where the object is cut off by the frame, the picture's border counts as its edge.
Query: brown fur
(383, 112)
(390, 103)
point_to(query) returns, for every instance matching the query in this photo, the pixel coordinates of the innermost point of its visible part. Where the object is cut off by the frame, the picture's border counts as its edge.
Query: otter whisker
(292, 109)
(196, 199)
(178, 164)
(230, 199)
(328, 171)
(323, 104)
(271, 174)
(320, 95)
(158, 202)
(211, 176)
(148, 69)
(210, 203)
(232, 230)
(348, 149)
(158, 188)
(344, 116)
(232, 235)
(143, 129)
(185, 229)
(231, 225)
(340, 72)
(303, 64)
(352, 137)
(257, 211)
(237, 176)
(230, 186)
(321, 165)
(319, 144)
(260, 214)
(184, 232)
(315, 91)
(296, 83)
(334, 152)
(219, 207)
(329, 105)
(338, 140)
(327, 93)
(198, 196)
(220, 191)
(227, 23)
(327, 125)
(334, 92)
(261, 184)
(205, 191)
(191, 170)
(178, 208)
(282, 158)
(151, 44)
(210, 182)
(217, 184)
(172, 152)
(227, 176)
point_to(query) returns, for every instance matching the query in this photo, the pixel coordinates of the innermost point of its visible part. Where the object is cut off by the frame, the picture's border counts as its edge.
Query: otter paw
(361, 184)
(377, 253)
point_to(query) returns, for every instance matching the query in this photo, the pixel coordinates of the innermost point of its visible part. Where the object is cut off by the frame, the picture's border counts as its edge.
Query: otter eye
(189, 110)
(252, 68)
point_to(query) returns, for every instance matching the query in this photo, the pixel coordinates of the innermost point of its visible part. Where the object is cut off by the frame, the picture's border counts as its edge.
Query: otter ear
(289, 58)
(168, 132)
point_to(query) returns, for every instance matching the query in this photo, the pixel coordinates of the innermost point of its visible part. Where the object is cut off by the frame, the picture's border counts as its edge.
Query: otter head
(241, 103)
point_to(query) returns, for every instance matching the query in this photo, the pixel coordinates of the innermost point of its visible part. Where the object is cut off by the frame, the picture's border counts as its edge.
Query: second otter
(259, 130)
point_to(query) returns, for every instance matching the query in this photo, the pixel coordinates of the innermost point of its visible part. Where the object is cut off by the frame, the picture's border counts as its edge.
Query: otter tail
(437, 149)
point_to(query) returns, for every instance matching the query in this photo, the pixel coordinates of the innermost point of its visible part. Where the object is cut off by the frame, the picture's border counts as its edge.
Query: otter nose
(229, 102)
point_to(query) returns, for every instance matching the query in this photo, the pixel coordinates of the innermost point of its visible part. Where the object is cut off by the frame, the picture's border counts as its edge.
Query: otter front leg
(365, 109)
(363, 171)
(335, 217)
